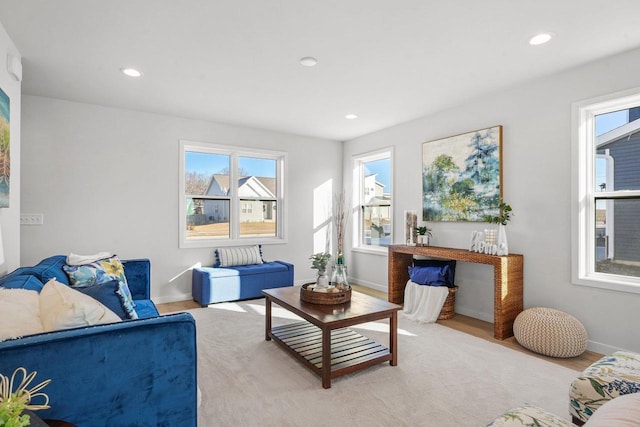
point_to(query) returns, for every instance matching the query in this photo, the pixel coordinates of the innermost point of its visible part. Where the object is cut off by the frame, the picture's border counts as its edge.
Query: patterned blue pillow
(105, 270)
(107, 294)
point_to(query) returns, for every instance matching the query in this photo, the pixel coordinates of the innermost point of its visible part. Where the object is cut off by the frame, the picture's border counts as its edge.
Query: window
(374, 190)
(606, 243)
(230, 195)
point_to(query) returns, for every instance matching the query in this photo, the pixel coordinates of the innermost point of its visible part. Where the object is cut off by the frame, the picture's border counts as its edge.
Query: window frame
(584, 195)
(358, 180)
(234, 152)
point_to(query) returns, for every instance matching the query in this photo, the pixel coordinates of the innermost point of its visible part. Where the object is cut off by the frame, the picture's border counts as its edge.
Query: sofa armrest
(138, 273)
(138, 372)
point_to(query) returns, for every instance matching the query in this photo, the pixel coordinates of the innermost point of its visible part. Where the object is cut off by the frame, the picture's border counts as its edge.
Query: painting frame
(462, 176)
(5, 149)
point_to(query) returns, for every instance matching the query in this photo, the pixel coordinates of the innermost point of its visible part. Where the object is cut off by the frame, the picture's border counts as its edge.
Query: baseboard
(171, 298)
(367, 284)
(486, 317)
(601, 348)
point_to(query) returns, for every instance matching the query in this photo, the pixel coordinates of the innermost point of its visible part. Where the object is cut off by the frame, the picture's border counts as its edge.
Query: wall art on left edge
(5, 162)
(462, 176)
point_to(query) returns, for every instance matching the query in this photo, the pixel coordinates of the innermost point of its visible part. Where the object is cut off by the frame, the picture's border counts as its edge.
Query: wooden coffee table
(323, 342)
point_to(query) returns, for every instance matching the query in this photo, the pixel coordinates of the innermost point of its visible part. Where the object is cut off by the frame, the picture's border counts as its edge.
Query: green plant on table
(503, 218)
(320, 260)
(424, 231)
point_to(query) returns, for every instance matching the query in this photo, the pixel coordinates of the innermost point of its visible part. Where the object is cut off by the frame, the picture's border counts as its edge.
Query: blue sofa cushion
(244, 270)
(51, 268)
(21, 282)
(99, 272)
(146, 309)
(107, 294)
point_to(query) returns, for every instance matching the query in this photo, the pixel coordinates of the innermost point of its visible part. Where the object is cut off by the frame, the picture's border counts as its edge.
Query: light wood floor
(459, 322)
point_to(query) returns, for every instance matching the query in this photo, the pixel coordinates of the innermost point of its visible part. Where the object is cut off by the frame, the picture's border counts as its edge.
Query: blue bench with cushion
(140, 372)
(238, 274)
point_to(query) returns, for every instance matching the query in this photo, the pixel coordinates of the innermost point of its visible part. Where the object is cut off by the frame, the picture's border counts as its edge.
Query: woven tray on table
(449, 307)
(324, 298)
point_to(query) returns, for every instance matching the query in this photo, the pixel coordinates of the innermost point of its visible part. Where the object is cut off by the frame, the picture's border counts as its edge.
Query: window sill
(604, 282)
(212, 243)
(371, 251)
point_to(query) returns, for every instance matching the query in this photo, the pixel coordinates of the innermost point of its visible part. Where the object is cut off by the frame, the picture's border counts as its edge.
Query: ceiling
(237, 61)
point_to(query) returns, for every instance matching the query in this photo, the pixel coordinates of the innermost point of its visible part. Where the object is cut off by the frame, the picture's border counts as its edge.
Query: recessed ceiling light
(308, 61)
(541, 38)
(350, 116)
(131, 72)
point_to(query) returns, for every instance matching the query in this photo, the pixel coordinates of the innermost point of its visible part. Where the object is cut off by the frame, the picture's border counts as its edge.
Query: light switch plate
(31, 219)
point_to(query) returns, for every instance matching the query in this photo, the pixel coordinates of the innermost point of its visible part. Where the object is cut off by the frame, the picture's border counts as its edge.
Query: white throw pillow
(623, 411)
(75, 259)
(20, 310)
(62, 307)
(242, 255)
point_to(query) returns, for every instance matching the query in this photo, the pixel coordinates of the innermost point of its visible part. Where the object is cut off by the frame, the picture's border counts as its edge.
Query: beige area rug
(443, 378)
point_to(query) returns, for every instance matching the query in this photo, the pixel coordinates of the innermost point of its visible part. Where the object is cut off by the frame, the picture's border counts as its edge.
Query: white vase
(323, 280)
(423, 240)
(503, 245)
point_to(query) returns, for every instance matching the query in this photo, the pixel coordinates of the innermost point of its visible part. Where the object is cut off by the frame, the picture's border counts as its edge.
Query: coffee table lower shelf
(350, 351)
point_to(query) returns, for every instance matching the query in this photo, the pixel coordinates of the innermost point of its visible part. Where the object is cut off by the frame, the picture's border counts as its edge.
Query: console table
(507, 279)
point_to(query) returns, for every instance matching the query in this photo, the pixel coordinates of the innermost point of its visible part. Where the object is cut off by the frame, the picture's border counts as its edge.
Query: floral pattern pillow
(98, 272)
(608, 378)
(526, 416)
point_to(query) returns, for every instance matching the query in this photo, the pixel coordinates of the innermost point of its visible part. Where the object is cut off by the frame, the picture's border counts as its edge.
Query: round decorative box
(325, 298)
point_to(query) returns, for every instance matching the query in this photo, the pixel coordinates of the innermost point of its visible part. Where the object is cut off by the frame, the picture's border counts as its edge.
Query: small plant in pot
(424, 234)
(319, 262)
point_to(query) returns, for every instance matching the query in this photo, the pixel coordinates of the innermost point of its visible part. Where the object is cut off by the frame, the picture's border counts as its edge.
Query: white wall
(537, 184)
(10, 217)
(107, 179)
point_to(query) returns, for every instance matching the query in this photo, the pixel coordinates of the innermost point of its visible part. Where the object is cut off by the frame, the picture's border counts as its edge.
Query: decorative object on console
(13, 403)
(502, 247)
(411, 225)
(460, 173)
(424, 234)
(5, 161)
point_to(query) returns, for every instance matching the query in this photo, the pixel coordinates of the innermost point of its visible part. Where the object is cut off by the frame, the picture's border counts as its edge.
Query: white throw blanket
(423, 303)
(75, 259)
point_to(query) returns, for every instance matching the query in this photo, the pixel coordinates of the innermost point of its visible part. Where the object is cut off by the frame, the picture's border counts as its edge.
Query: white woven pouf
(550, 332)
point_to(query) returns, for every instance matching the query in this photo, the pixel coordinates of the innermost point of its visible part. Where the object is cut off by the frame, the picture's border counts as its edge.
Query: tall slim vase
(503, 245)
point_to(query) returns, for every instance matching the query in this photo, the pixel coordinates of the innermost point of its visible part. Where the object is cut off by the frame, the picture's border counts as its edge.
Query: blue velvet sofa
(218, 284)
(134, 373)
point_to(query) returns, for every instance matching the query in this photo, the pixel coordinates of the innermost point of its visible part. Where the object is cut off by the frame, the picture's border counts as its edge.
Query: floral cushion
(102, 271)
(606, 379)
(528, 415)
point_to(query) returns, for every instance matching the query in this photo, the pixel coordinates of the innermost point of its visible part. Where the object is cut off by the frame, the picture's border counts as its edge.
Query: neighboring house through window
(230, 195)
(373, 190)
(606, 243)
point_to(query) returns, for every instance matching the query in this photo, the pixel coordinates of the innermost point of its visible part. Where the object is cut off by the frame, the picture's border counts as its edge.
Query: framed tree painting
(5, 163)
(462, 176)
